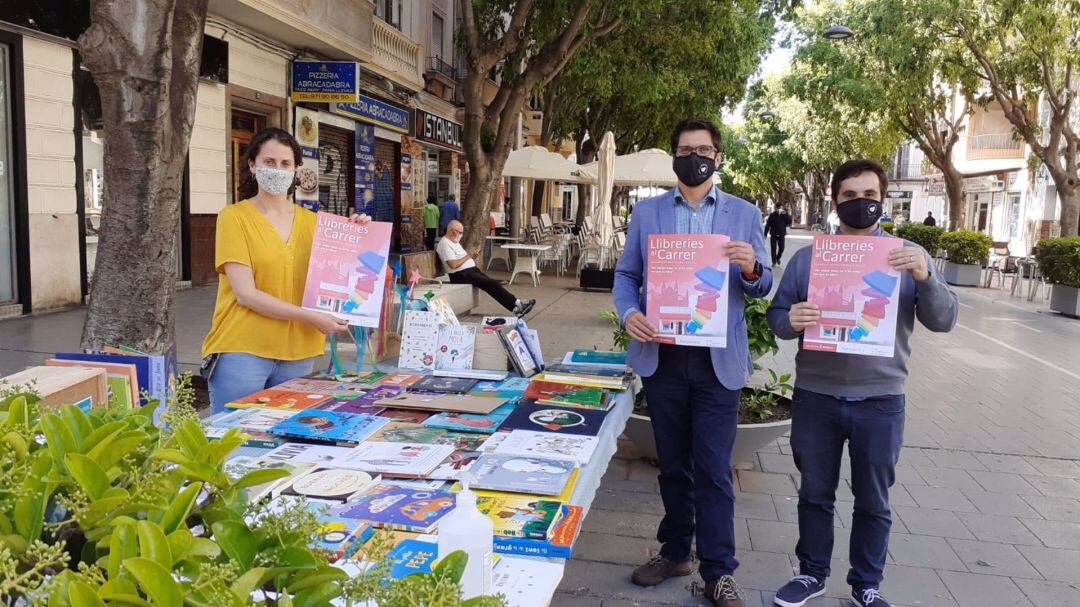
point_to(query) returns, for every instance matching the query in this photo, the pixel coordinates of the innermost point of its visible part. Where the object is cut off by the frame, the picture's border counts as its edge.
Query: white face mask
(274, 181)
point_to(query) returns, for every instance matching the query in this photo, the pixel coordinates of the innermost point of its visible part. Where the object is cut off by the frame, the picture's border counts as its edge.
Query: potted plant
(1059, 261)
(965, 252)
(925, 236)
(764, 411)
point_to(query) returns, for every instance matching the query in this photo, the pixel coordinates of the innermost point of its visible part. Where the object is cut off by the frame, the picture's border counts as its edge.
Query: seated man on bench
(462, 270)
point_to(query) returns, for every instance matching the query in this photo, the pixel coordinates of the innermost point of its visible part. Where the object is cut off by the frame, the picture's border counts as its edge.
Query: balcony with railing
(397, 56)
(913, 170)
(994, 145)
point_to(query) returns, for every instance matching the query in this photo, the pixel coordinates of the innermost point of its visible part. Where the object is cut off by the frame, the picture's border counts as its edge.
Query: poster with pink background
(347, 269)
(687, 298)
(851, 280)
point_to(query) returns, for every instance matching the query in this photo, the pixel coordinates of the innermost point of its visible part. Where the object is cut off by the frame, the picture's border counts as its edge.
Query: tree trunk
(954, 191)
(1068, 188)
(147, 71)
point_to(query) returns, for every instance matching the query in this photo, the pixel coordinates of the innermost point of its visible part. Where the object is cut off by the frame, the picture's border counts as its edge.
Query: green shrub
(888, 227)
(1059, 260)
(965, 246)
(926, 237)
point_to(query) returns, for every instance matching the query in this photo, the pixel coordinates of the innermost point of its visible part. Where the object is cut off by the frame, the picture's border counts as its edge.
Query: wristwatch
(756, 274)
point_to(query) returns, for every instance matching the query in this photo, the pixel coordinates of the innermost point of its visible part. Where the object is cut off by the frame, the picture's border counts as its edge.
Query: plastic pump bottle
(468, 529)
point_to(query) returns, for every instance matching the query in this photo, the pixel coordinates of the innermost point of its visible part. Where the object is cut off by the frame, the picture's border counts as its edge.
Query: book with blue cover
(412, 556)
(521, 474)
(597, 357)
(329, 426)
(509, 388)
(471, 422)
(400, 508)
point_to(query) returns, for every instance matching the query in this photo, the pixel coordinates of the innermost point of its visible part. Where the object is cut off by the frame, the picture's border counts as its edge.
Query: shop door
(244, 126)
(336, 175)
(387, 180)
(8, 289)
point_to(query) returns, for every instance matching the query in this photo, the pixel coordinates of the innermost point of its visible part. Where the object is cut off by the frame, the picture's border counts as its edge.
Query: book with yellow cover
(564, 497)
(521, 516)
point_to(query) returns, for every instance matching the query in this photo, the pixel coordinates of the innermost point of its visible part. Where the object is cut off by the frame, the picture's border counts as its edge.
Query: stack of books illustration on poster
(687, 298)
(347, 269)
(857, 290)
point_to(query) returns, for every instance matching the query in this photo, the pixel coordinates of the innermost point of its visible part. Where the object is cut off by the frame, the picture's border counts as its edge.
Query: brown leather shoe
(724, 592)
(659, 569)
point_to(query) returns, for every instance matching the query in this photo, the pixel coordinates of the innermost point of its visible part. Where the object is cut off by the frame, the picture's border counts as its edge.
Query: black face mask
(859, 213)
(694, 170)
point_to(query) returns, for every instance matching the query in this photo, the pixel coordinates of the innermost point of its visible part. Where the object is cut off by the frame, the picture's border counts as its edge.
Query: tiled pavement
(987, 501)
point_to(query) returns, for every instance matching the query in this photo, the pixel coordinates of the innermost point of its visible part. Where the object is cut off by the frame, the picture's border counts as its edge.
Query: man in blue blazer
(693, 392)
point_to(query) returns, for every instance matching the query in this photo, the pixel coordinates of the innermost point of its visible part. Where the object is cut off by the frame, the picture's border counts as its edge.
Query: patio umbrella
(536, 162)
(604, 182)
(647, 167)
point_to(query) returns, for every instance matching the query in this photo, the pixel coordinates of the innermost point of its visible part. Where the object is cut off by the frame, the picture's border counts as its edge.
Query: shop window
(244, 126)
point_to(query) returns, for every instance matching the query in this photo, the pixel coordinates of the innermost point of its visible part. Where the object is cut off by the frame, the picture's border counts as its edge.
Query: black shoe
(867, 597)
(660, 569)
(524, 307)
(724, 592)
(800, 589)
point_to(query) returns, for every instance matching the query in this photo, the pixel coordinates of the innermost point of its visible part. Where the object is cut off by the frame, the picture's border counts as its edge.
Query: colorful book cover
(455, 347)
(143, 370)
(521, 516)
(308, 453)
(566, 496)
(585, 381)
(568, 395)
(509, 388)
(412, 556)
(374, 395)
(462, 441)
(687, 298)
(346, 269)
(561, 420)
(401, 380)
(571, 447)
(584, 370)
(406, 416)
(330, 484)
(410, 460)
(396, 507)
(351, 403)
(857, 290)
(561, 544)
(275, 398)
(520, 474)
(396, 432)
(237, 467)
(248, 420)
(325, 385)
(598, 357)
(338, 537)
(329, 426)
(478, 374)
(363, 378)
(454, 467)
(123, 380)
(471, 422)
(532, 342)
(443, 385)
(419, 340)
(514, 342)
(493, 324)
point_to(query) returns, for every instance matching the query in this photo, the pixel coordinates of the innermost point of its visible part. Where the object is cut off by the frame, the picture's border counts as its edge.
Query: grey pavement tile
(622, 523)
(608, 581)
(952, 478)
(1055, 467)
(907, 475)
(618, 549)
(1057, 594)
(975, 590)
(1056, 534)
(763, 570)
(763, 482)
(924, 551)
(1000, 504)
(1006, 463)
(777, 462)
(1056, 486)
(755, 505)
(1004, 482)
(622, 484)
(1053, 563)
(642, 471)
(899, 496)
(628, 501)
(1055, 508)
(773, 536)
(563, 599)
(914, 457)
(914, 586)
(742, 535)
(1005, 529)
(993, 558)
(942, 498)
(927, 521)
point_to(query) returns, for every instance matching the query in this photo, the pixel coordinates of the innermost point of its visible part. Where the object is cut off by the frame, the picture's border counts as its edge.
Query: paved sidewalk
(987, 501)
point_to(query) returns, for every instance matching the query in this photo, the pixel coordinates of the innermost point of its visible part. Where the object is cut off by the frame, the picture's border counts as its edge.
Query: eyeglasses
(701, 150)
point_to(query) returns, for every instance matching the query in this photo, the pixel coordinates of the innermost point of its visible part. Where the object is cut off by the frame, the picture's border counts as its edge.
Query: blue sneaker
(800, 589)
(867, 597)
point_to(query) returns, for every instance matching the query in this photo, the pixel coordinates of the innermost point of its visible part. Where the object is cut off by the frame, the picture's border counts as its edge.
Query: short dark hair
(854, 168)
(697, 124)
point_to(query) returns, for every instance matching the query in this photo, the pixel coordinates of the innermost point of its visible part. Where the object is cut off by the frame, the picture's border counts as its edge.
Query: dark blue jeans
(694, 418)
(874, 431)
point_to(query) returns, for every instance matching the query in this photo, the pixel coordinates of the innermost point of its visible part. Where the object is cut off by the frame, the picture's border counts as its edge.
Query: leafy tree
(1027, 55)
(895, 74)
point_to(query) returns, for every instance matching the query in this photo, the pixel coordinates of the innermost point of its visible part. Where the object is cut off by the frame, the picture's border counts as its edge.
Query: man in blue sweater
(851, 398)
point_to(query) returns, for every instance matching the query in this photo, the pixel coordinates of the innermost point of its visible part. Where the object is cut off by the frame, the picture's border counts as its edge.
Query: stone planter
(1065, 299)
(749, 438)
(963, 274)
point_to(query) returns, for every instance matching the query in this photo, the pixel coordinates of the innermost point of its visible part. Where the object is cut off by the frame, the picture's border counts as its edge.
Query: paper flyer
(851, 280)
(687, 297)
(346, 270)
(307, 175)
(419, 340)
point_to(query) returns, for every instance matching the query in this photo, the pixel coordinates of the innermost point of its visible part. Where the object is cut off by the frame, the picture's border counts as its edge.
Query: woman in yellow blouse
(260, 336)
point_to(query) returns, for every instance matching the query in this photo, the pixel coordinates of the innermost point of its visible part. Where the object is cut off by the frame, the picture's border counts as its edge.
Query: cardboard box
(79, 386)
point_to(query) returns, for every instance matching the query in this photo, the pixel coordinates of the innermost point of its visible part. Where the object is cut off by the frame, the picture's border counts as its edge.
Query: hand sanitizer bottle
(468, 529)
